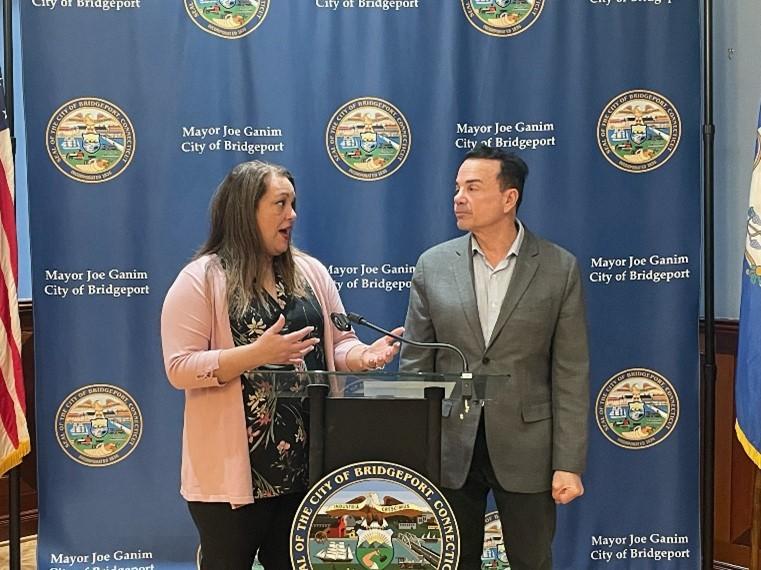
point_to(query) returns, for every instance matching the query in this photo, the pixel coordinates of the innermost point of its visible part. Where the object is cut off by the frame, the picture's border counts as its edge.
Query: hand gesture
(381, 352)
(276, 348)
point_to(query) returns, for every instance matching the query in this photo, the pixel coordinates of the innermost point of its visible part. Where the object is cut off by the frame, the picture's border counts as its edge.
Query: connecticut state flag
(748, 372)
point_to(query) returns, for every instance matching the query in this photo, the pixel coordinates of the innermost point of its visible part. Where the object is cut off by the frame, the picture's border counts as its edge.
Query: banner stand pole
(708, 384)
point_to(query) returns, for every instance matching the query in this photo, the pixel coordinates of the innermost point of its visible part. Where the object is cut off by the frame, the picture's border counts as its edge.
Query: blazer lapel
(526, 265)
(462, 267)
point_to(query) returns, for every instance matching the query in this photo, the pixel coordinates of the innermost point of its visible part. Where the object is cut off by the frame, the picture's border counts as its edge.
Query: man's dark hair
(513, 171)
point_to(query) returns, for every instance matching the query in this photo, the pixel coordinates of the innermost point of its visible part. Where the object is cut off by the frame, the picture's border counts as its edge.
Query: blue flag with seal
(748, 379)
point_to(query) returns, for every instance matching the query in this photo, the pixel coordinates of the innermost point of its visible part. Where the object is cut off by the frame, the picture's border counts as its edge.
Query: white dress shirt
(491, 283)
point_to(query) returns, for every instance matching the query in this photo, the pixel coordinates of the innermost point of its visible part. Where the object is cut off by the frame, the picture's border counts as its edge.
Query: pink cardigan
(195, 327)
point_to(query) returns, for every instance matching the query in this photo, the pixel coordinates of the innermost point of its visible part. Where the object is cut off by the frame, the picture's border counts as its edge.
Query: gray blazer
(536, 412)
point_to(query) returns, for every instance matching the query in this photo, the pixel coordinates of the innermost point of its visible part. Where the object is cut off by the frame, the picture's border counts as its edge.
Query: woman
(250, 301)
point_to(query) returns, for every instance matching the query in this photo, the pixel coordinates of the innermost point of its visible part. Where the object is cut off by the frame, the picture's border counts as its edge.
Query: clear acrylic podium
(378, 416)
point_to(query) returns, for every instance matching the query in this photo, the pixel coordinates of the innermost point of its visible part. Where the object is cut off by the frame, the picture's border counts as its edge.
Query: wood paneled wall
(28, 468)
(733, 484)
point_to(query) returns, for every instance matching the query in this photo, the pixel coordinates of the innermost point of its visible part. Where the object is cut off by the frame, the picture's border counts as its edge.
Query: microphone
(343, 323)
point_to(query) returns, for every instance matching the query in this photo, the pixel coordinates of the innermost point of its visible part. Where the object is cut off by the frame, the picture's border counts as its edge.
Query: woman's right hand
(275, 348)
(270, 348)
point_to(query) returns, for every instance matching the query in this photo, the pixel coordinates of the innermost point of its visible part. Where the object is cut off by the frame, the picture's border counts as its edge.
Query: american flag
(14, 436)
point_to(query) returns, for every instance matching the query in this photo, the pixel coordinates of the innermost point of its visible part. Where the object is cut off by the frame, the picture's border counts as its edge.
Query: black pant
(528, 519)
(230, 538)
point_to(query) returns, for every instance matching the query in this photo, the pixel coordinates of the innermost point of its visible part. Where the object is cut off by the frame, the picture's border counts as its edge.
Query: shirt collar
(514, 249)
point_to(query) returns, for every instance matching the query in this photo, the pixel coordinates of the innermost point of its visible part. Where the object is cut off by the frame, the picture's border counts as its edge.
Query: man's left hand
(566, 486)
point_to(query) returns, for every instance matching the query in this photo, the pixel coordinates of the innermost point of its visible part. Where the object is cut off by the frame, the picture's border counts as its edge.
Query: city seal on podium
(230, 19)
(637, 408)
(98, 425)
(494, 555)
(374, 515)
(502, 18)
(90, 140)
(368, 139)
(638, 131)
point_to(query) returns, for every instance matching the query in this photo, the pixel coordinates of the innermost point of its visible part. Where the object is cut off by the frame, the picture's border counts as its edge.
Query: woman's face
(275, 215)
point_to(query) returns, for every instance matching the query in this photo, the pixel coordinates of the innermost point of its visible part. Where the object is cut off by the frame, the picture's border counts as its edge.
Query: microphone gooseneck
(343, 323)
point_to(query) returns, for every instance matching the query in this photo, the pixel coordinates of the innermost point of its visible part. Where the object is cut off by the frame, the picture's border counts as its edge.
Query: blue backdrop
(137, 109)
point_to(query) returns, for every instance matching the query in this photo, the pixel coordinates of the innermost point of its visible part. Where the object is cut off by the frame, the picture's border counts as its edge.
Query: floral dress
(277, 426)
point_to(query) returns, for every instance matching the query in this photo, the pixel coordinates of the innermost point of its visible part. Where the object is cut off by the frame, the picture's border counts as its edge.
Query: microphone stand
(360, 320)
(343, 323)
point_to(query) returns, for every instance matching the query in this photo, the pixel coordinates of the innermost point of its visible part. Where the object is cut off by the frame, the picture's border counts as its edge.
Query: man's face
(479, 203)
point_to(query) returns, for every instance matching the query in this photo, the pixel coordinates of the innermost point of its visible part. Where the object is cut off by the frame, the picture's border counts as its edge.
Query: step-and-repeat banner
(137, 108)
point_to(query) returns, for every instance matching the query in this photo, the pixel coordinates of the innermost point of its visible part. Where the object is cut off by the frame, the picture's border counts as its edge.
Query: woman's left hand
(381, 352)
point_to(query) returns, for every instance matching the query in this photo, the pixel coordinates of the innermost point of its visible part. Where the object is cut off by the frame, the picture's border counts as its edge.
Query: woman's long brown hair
(234, 236)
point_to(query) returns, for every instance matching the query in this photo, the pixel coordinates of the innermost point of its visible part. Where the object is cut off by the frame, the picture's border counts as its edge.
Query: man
(513, 303)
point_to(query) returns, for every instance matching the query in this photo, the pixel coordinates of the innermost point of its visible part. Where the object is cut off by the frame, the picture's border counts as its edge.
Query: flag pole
(8, 65)
(14, 478)
(755, 528)
(708, 384)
